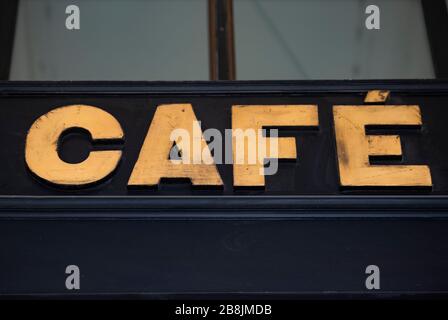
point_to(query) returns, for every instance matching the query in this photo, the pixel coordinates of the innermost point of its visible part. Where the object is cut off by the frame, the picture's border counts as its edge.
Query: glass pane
(328, 39)
(117, 40)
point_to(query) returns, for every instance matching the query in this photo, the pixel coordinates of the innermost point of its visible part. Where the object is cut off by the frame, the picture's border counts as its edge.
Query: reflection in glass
(118, 40)
(327, 39)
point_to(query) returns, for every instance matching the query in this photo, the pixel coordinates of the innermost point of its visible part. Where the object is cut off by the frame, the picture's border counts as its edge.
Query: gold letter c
(41, 149)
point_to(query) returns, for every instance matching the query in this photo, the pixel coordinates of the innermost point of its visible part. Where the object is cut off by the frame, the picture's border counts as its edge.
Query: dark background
(154, 258)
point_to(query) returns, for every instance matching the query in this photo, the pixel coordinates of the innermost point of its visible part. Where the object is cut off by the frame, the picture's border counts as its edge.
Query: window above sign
(116, 40)
(223, 39)
(327, 39)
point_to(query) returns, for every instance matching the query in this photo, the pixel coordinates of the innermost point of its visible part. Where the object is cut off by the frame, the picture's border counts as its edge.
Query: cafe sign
(369, 141)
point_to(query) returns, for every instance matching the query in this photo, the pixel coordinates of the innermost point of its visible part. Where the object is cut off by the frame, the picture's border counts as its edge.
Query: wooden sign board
(108, 159)
(329, 143)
